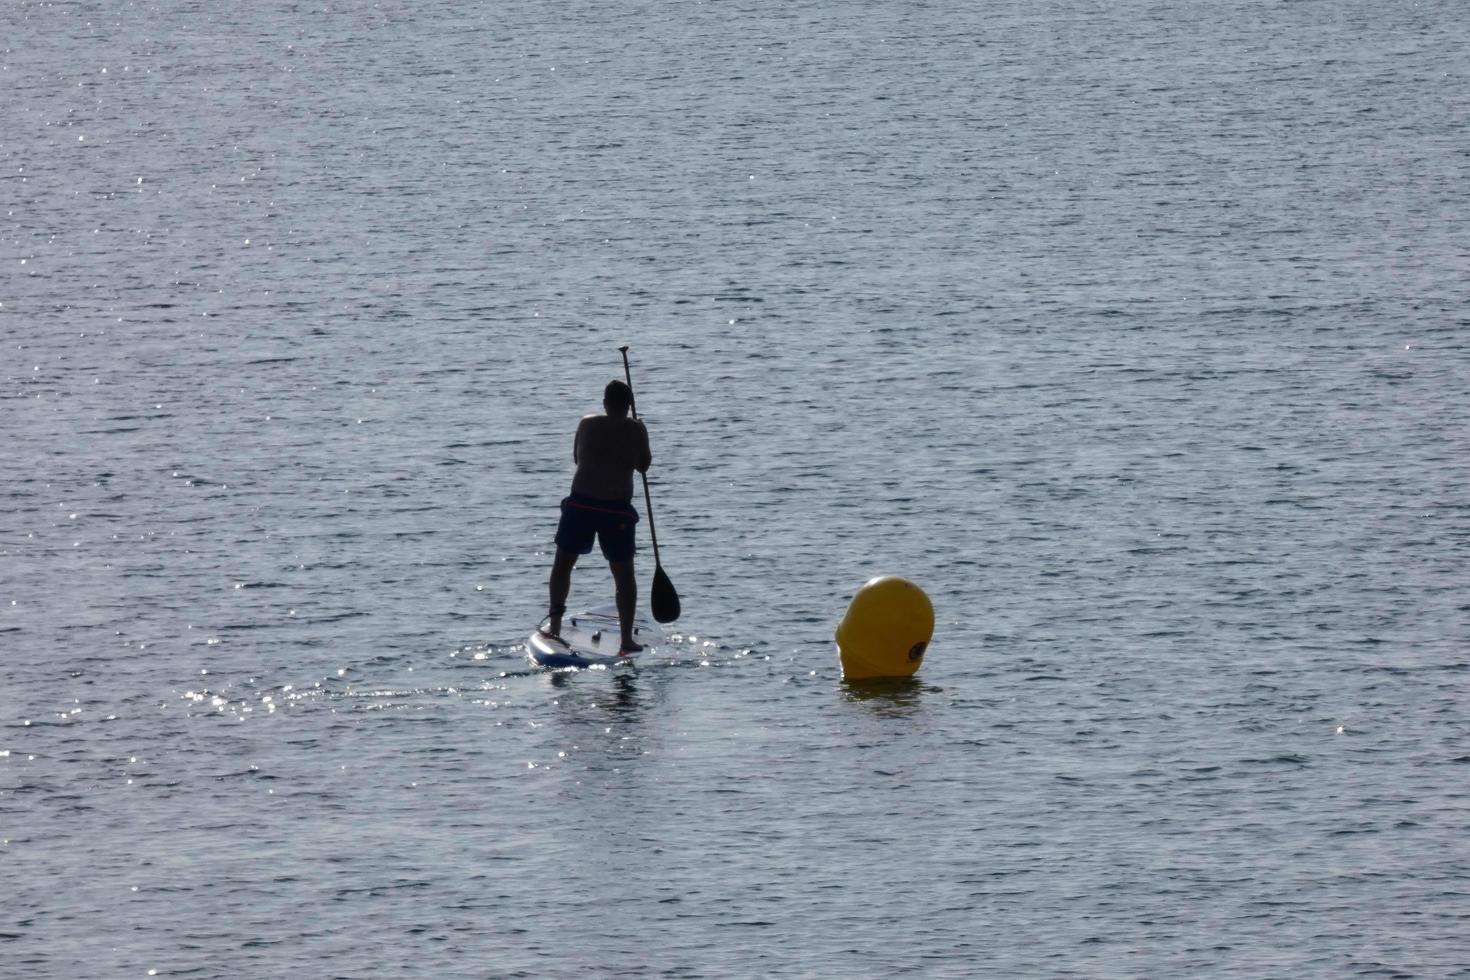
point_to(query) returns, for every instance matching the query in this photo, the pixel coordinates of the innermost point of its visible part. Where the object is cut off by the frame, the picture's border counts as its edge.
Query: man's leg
(627, 592)
(561, 587)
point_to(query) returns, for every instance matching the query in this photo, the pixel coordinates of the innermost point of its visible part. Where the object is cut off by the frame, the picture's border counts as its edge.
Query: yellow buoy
(887, 628)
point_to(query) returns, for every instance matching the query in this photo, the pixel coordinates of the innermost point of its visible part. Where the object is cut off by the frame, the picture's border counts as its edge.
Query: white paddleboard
(591, 638)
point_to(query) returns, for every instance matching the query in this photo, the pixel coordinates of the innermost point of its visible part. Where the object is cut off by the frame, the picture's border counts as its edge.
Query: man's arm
(645, 454)
(577, 441)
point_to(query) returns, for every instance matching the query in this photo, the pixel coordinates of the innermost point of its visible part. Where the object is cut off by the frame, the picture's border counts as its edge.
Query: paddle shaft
(647, 500)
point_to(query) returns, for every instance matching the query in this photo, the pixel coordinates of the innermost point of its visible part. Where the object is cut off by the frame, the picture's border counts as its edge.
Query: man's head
(617, 398)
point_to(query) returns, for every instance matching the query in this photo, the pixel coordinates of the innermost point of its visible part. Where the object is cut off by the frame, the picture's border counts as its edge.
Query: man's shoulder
(605, 427)
(625, 423)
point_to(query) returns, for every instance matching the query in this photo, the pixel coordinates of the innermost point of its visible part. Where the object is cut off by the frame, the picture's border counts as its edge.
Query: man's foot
(554, 635)
(630, 648)
(551, 625)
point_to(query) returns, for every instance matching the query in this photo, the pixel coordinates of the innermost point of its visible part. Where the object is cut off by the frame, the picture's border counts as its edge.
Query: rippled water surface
(1135, 333)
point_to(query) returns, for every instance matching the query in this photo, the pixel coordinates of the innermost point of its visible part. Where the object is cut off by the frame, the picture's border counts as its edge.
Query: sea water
(1134, 333)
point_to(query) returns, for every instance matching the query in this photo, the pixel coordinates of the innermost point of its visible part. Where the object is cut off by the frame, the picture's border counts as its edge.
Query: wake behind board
(590, 638)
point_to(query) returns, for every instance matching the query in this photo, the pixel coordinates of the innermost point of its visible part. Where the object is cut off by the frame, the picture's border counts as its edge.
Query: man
(607, 449)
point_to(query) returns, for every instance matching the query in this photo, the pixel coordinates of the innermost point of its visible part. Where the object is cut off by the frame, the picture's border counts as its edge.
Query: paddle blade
(663, 598)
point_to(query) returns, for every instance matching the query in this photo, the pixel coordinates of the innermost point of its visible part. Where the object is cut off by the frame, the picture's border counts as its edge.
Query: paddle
(662, 597)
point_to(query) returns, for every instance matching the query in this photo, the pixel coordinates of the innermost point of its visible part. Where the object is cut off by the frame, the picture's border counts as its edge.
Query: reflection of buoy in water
(887, 628)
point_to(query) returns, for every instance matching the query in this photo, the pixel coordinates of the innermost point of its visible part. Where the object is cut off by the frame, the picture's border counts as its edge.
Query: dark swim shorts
(611, 522)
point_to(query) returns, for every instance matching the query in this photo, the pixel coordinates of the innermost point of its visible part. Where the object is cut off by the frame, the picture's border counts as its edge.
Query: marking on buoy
(917, 651)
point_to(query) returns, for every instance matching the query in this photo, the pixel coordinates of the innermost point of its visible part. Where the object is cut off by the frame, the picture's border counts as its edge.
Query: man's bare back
(607, 449)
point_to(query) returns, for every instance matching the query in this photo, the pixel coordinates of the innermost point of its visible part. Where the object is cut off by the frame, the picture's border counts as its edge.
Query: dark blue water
(1136, 334)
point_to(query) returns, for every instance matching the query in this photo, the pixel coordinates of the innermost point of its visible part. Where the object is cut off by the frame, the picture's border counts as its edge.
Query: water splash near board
(591, 638)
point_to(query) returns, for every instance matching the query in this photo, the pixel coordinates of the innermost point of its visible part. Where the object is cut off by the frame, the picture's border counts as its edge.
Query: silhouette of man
(607, 449)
